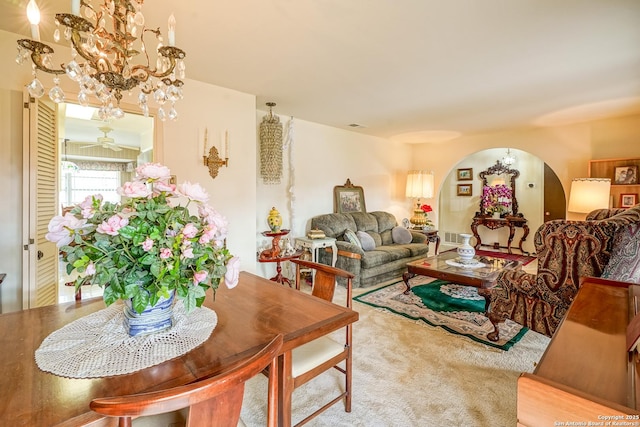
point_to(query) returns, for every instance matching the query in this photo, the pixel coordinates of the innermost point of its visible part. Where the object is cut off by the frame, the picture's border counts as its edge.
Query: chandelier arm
(37, 50)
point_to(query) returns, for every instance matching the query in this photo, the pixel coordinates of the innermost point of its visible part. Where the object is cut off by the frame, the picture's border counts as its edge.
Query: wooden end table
(276, 255)
(484, 278)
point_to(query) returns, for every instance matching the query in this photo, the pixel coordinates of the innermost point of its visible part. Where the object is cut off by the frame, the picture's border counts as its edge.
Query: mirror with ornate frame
(496, 175)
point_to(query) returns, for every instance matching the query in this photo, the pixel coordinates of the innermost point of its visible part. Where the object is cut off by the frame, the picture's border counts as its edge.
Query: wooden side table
(432, 237)
(275, 255)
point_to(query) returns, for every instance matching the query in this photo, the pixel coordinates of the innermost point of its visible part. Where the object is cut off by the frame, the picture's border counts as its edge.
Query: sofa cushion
(624, 264)
(384, 255)
(366, 241)
(351, 237)
(401, 235)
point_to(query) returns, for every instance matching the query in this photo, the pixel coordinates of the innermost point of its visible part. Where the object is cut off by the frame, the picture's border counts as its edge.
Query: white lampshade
(420, 184)
(588, 194)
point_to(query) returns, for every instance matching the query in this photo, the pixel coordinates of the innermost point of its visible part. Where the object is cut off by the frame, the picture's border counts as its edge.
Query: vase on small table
(466, 252)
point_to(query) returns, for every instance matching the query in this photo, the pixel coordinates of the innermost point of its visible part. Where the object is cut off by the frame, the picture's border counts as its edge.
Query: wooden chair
(318, 356)
(214, 401)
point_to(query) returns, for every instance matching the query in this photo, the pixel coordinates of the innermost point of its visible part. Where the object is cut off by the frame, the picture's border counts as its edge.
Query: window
(75, 187)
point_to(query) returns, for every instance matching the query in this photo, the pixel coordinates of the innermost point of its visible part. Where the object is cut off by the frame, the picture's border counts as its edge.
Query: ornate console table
(510, 221)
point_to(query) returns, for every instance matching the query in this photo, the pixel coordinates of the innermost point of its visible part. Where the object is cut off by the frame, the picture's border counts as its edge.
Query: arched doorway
(534, 187)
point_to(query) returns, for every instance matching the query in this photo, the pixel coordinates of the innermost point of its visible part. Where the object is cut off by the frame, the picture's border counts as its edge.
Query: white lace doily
(475, 264)
(98, 345)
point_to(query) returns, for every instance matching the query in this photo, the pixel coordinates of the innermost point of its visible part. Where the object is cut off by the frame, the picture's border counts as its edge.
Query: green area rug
(456, 308)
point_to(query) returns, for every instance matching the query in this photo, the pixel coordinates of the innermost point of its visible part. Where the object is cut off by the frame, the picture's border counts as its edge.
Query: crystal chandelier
(102, 61)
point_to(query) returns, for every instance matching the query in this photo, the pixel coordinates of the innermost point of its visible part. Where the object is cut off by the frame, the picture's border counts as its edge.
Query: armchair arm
(418, 237)
(345, 248)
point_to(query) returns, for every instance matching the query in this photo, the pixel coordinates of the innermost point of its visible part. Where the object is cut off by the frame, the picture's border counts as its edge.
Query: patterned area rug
(456, 308)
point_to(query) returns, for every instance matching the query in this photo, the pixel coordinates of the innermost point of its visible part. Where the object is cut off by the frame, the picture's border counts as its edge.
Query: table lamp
(419, 185)
(588, 194)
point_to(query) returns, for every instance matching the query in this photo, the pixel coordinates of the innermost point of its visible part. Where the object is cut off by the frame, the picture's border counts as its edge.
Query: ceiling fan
(107, 142)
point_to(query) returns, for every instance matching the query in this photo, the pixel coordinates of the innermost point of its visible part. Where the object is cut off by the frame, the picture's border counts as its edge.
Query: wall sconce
(211, 158)
(589, 194)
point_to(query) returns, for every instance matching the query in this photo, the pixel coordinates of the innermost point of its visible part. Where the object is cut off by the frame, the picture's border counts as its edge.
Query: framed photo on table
(626, 175)
(465, 189)
(465, 174)
(348, 198)
(628, 200)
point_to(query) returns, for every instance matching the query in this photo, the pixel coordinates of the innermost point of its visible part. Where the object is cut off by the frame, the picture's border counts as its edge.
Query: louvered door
(41, 201)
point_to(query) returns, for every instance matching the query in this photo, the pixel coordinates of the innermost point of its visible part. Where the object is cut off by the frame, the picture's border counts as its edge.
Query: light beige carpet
(406, 373)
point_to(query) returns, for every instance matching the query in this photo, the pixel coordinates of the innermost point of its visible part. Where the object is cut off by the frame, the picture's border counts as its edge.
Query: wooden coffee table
(483, 278)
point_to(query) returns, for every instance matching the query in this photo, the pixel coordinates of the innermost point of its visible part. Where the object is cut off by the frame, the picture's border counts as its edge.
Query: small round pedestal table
(275, 255)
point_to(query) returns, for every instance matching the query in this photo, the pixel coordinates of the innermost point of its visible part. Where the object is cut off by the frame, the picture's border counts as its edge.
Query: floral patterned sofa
(606, 244)
(385, 259)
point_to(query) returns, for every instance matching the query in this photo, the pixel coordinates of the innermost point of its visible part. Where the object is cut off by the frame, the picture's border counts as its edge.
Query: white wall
(325, 157)
(233, 191)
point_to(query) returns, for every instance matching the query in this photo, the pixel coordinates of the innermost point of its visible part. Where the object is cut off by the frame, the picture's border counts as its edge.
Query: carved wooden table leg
(474, 230)
(512, 232)
(525, 229)
(495, 335)
(405, 278)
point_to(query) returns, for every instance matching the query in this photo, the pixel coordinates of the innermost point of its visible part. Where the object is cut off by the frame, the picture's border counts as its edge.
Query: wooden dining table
(249, 316)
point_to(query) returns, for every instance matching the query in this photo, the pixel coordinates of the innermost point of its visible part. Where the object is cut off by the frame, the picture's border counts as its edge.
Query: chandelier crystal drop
(109, 57)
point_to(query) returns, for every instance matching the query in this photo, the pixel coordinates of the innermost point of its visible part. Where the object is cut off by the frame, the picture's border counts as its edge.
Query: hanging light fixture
(102, 61)
(271, 147)
(509, 158)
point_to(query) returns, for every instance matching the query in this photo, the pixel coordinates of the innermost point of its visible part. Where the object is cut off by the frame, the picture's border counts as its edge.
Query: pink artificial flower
(91, 269)
(87, 205)
(217, 222)
(134, 189)
(147, 244)
(233, 272)
(187, 252)
(193, 192)
(161, 186)
(200, 277)
(62, 229)
(189, 231)
(153, 171)
(112, 225)
(208, 234)
(165, 253)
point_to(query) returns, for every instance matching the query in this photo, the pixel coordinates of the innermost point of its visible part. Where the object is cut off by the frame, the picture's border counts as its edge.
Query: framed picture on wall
(628, 200)
(465, 174)
(626, 175)
(465, 189)
(348, 198)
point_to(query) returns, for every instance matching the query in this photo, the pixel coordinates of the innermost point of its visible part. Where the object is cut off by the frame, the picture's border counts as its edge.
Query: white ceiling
(401, 67)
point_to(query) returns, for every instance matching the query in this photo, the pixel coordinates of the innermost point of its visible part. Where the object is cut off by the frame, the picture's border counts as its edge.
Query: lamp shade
(420, 184)
(588, 194)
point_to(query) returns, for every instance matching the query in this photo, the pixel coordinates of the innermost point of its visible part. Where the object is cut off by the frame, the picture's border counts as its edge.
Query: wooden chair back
(215, 401)
(324, 282)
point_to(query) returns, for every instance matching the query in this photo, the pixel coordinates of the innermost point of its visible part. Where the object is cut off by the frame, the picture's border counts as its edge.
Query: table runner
(98, 345)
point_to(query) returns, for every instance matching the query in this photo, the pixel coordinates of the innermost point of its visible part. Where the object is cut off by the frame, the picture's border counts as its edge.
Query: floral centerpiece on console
(147, 246)
(496, 198)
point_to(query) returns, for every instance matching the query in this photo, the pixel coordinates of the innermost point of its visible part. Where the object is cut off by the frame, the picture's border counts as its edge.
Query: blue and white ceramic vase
(466, 252)
(152, 319)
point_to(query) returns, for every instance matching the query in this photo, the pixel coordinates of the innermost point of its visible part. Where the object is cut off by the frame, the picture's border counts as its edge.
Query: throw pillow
(351, 237)
(366, 241)
(401, 235)
(624, 264)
